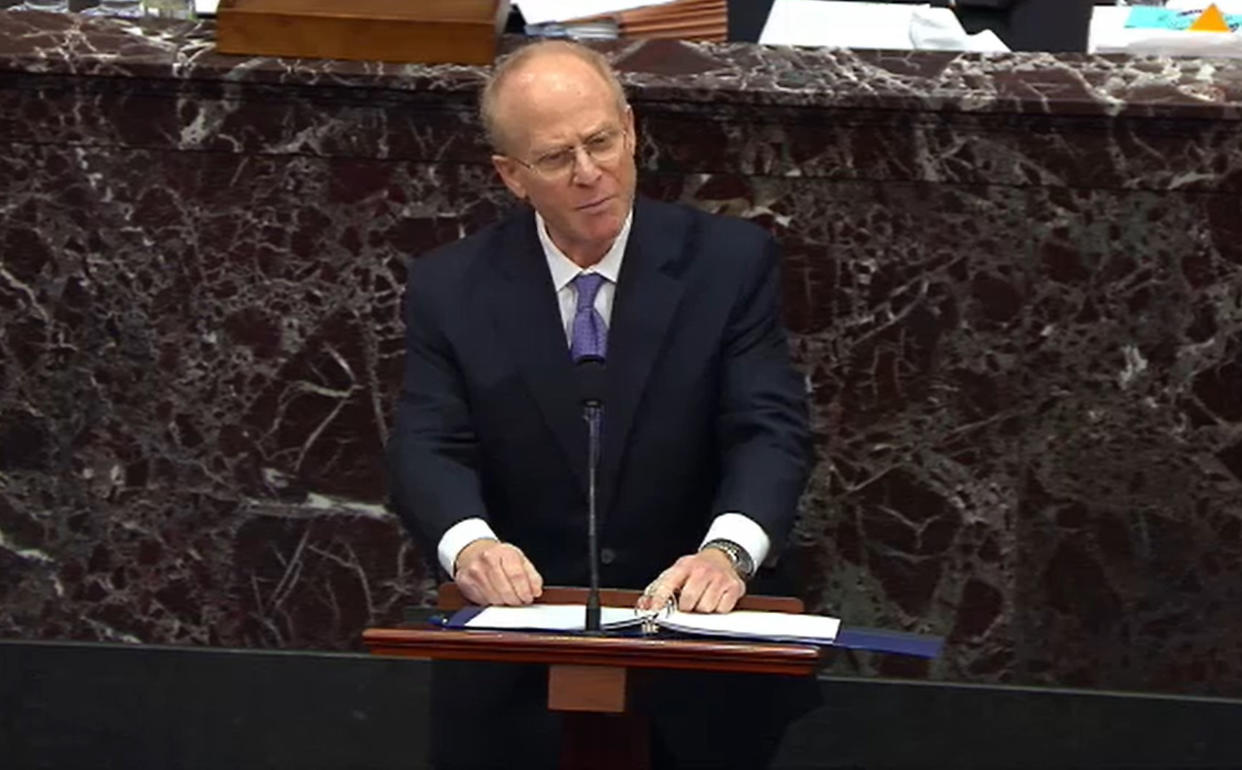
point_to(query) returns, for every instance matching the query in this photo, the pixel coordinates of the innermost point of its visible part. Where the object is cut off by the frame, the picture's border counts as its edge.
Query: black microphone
(591, 375)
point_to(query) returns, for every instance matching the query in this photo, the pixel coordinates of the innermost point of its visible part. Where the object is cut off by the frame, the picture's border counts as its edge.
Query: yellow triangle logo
(1211, 20)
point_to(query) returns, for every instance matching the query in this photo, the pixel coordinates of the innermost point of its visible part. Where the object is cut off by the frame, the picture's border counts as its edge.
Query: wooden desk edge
(523, 647)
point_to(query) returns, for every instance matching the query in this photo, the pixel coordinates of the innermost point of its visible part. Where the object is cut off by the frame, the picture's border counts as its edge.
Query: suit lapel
(525, 313)
(648, 291)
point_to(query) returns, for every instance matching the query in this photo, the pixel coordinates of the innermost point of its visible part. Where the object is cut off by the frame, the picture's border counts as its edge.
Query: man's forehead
(557, 101)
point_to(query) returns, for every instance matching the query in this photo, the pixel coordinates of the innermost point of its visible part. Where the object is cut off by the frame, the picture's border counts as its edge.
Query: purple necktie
(590, 335)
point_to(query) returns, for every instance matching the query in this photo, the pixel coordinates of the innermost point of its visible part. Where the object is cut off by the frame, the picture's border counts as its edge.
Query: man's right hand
(491, 572)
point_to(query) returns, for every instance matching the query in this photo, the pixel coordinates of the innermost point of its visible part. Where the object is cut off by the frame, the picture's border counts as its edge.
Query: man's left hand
(704, 582)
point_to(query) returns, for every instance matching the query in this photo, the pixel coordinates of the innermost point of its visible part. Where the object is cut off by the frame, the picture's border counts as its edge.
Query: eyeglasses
(603, 148)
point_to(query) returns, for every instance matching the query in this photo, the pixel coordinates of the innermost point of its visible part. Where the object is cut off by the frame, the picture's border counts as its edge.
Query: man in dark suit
(705, 444)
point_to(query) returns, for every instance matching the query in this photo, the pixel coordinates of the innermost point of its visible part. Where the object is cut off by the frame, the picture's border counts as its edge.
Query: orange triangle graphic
(1211, 20)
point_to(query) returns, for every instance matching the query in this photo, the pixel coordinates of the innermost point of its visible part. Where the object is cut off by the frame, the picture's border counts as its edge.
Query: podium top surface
(567, 649)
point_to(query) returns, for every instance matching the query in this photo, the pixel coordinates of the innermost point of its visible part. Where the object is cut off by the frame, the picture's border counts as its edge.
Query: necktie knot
(588, 285)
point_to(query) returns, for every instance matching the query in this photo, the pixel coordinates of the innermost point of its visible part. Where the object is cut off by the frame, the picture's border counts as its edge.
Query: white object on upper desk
(838, 24)
(892, 26)
(938, 29)
(1108, 33)
(544, 11)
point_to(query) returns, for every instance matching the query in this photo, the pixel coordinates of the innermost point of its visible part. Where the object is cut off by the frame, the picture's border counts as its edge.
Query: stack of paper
(739, 624)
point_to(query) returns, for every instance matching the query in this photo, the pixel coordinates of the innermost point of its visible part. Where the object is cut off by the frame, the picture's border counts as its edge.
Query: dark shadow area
(136, 707)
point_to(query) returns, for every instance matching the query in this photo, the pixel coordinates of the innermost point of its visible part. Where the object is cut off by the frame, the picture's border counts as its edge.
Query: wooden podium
(591, 678)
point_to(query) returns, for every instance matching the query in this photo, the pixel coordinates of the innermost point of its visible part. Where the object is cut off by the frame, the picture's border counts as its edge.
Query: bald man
(705, 443)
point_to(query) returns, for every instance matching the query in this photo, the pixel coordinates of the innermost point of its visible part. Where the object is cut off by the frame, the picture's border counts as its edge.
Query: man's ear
(629, 127)
(507, 168)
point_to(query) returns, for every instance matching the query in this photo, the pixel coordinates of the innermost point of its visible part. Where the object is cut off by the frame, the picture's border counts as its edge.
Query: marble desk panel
(1014, 285)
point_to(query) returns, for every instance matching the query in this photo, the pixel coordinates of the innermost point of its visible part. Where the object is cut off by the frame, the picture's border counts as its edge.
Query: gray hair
(514, 62)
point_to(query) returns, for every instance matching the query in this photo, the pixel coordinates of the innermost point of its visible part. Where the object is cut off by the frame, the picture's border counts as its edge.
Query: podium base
(599, 689)
(605, 742)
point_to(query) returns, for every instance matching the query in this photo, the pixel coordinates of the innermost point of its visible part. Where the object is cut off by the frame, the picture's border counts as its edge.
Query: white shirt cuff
(458, 536)
(742, 530)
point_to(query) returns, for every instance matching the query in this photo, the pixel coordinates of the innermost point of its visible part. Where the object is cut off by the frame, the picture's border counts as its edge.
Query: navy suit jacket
(704, 413)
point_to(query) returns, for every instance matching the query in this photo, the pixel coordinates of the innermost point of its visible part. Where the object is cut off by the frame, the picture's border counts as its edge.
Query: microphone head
(591, 375)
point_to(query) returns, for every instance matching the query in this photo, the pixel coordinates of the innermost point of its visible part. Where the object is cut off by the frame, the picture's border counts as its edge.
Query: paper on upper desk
(543, 11)
(1108, 33)
(549, 617)
(575, 30)
(747, 624)
(838, 24)
(205, 7)
(938, 29)
(1172, 19)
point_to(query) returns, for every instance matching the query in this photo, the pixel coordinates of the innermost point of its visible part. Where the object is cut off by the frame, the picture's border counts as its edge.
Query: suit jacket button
(607, 556)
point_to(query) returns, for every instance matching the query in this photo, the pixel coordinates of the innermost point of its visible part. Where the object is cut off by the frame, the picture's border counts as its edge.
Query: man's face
(569, 151)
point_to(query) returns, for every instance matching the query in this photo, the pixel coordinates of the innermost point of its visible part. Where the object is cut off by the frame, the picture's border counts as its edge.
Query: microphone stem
(592, 414)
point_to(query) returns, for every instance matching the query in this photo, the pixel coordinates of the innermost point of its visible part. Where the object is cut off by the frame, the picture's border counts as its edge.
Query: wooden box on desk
(426, 31)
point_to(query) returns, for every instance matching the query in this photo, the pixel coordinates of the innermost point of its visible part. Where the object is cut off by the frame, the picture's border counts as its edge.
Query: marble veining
(729, 73)
(1014, 285)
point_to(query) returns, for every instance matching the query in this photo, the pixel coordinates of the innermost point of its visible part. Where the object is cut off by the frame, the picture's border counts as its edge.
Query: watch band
(738, 555)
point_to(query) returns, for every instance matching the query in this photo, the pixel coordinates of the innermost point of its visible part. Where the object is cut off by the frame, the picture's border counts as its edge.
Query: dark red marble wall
(1014, 285)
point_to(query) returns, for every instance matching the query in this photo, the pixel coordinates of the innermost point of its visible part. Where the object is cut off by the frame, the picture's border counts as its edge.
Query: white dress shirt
(737, 527)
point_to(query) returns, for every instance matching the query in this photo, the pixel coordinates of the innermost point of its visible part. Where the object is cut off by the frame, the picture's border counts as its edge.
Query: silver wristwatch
(738, 556)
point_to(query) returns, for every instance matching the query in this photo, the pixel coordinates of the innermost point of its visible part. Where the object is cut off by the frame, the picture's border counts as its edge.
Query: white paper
(549, 617)
(837, 24)
(544, 11)
(782, 626)
(741, 624)
(205, 7)
(1107, 27)
(938, 29)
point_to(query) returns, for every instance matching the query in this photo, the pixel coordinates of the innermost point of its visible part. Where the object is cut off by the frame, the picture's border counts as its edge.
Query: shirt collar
(564, 269)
